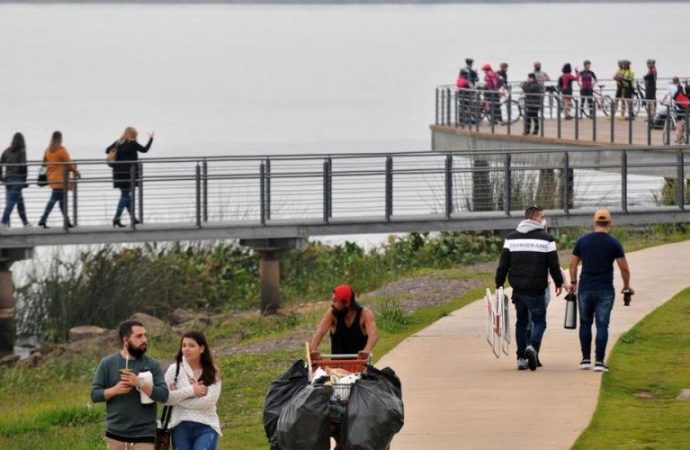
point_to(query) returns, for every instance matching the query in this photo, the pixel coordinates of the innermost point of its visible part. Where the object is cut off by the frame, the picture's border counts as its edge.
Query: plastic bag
(375, 411)
(283, 389)
(304, 424)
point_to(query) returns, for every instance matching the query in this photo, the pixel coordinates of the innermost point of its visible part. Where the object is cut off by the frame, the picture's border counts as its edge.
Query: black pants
(532, 116)
(586, 97)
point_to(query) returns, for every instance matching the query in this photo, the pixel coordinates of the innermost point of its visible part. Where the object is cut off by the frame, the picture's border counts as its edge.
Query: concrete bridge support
(7, 303)
(269, 268)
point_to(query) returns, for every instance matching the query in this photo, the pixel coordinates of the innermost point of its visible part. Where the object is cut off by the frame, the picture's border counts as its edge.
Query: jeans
(526, 305)
(595, 305)
(14, 187)
(55, 197)
(125, 202)
(194, 436)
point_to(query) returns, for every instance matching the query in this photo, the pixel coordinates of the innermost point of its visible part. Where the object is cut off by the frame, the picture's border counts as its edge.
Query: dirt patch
(645, 395)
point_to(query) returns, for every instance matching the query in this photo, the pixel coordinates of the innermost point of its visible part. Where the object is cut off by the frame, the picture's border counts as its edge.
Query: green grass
(652, 358)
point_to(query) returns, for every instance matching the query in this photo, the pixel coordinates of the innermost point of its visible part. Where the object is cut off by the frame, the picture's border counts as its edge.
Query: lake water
(243, 79)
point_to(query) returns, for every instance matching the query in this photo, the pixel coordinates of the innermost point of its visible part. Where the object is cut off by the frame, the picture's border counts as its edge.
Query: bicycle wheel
(515, 111)
(636, 103)
(607, 105)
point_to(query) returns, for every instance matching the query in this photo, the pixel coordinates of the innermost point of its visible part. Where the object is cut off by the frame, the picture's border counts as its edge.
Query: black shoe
(136, 221)
(539, 364)
(70, 225)
(117, 223)
(531, 355)
(42, 224)
(535, 132)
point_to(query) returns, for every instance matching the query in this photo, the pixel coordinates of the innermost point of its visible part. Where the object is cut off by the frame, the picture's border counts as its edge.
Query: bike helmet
(587, 61)
(651, 61)
(537, 64)
(469, 61)
(486, 66)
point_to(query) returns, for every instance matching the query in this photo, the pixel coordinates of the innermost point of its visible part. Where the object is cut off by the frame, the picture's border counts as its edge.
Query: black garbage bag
(375, 411)
(283, 389)
(304, 423)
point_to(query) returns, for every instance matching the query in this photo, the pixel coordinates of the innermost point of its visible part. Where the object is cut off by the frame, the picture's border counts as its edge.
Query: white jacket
(185, 405)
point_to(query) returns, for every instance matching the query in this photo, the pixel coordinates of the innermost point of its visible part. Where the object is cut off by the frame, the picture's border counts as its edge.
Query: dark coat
(129, 151)
(533, 94)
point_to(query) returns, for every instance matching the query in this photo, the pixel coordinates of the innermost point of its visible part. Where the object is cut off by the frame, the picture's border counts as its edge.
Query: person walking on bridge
(528, 256)
(533, 101)
(125, 168)
(59, 165)
(597, 251)
(13, 173)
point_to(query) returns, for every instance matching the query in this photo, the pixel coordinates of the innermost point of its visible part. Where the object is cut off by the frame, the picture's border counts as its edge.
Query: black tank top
(348, 340)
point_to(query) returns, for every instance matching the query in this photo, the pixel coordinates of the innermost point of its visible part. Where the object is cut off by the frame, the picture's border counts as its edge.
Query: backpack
(682, 100)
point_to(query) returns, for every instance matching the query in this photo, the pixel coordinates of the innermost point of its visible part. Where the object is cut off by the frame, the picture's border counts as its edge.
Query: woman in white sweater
(194, 392)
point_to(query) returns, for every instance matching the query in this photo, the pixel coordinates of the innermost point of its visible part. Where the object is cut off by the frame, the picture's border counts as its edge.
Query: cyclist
(565, 85)
(491, 84)
(470, 73)
(681, 103)
(464, 98)
(586, 82)
(650, 88)
(625, 79)
(503, 75)
(541, 76)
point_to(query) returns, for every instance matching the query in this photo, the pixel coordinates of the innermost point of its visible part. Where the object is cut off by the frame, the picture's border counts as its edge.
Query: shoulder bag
(42, 179)
(111, 156)
(163, 433)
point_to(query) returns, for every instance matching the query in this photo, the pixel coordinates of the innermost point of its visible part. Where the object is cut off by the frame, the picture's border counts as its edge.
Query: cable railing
(356, 189)
(601, 117)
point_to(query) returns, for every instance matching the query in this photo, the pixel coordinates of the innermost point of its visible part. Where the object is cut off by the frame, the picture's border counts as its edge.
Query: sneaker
(586, 364)
(27, 225)
(600, 367)
(531, 355)
(539, 364)
(522, 364)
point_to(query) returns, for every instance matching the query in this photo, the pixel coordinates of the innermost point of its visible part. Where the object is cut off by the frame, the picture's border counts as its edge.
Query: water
(230, 79)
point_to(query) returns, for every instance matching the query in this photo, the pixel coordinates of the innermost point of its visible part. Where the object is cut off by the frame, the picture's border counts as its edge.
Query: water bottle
(146, 377)
(570, 312)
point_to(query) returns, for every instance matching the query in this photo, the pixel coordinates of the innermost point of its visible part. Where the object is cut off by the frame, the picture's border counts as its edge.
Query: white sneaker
(586, 364)
(531, 355)
(522, 364)
(600, 367)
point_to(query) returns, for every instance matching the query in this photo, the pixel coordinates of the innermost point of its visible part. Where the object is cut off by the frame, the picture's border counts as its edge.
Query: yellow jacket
(55, 172)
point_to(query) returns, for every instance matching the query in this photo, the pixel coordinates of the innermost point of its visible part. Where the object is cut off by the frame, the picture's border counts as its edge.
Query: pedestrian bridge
(296, 196)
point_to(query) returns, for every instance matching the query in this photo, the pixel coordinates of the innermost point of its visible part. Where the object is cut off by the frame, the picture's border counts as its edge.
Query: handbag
(42, 179)
(111, 157)
(163, 433)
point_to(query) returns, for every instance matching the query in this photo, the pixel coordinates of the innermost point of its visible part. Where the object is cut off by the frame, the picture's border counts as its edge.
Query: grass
(651, 359)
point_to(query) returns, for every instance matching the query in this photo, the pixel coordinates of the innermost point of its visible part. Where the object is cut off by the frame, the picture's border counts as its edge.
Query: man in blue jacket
(528, 256)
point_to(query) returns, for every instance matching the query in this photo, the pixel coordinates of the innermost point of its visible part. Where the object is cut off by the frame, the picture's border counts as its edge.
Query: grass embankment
(651, 364)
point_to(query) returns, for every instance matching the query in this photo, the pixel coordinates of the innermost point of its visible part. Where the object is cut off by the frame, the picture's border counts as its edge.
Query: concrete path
(457, 395)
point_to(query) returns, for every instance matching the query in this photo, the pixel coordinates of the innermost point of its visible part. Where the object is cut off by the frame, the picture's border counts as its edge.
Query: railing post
(576, 103)
(132, 193)
(75, 198)
(667, 126)
(197, 173)
(687, 129)
(541, 118)
(449, 186)
(64, 209)
(559, 108)
(594, 120)
(567, 182)
(436, 108)
(327, 190)
(140, 175)
(389, 188)
(510, 111)
(204, 178)
(613, 122)
(650, 121)
(681, 180)
(262, 193)
(508, 188)
(268, 189)
(631, 117)
(448, 106)
(624, 181)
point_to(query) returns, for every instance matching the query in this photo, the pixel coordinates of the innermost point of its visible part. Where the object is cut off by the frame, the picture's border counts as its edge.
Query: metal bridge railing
(361, 188)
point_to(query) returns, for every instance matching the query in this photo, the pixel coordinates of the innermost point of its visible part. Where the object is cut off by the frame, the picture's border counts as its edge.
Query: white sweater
(185, 405)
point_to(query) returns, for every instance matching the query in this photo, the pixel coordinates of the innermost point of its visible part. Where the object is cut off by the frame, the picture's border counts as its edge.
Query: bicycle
(479, 106)
(601, 101)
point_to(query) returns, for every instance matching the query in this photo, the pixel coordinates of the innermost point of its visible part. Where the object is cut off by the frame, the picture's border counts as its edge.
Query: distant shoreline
(325, 2)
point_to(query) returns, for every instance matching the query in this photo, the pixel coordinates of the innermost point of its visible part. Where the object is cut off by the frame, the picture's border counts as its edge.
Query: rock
(9, 360)
(154, 326)
(180, 316)
(684, 395)
(85, 332)
(190, 325)
(36, 358)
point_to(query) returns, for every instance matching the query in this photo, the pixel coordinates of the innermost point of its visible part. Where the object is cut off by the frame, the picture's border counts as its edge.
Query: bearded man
(352, 327)
(129, 423)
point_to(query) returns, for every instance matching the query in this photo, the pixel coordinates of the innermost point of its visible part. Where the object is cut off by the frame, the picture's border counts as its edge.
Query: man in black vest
(352, 327)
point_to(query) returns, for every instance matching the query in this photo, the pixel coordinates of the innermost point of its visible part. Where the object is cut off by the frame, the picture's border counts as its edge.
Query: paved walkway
(457, 395)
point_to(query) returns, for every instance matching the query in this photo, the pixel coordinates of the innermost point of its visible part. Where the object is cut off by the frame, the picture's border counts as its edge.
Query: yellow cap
(602, 215)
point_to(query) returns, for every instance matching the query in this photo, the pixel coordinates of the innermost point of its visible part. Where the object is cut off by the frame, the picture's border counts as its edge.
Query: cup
(146, 377)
